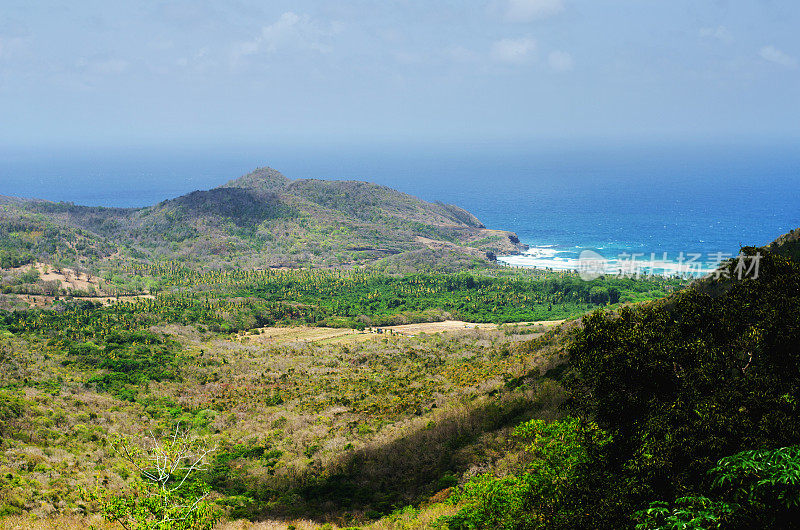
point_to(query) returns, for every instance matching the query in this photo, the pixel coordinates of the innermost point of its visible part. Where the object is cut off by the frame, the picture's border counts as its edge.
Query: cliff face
(264, 218)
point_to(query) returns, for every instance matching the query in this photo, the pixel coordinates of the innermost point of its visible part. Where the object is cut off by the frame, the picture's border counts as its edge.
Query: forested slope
(684, 414)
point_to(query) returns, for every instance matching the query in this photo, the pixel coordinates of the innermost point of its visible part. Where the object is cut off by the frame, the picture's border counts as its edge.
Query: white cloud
(514, 51)
(774, 55)
(720, 33)
(560, 61)
(290, 31)
(527, 10)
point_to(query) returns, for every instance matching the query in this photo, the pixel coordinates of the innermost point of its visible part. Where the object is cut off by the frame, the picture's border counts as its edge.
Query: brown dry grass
(27, 522)
(423, 519)
(305, 334)
(456, 325)
(243, 524)
(44, 301)
(71, 281)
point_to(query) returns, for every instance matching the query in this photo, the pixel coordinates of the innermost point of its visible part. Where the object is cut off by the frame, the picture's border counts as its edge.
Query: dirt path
(453, 325)
(271, 335)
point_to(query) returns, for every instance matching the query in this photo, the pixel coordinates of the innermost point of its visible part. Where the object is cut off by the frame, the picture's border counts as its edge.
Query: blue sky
(349, 72)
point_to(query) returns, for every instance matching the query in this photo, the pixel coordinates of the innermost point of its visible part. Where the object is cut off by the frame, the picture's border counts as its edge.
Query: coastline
(624, 262)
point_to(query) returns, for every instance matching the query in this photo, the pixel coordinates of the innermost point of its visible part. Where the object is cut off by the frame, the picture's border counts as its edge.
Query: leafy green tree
(763, 485)
(599, 295)
(687, 513)
(531, 498)
(680, 384)
(753, 489)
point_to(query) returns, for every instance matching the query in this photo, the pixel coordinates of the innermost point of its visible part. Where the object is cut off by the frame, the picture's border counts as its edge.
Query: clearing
(283, 335)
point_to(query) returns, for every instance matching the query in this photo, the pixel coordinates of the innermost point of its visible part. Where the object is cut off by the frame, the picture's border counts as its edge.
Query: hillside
(787, 245)
(329, 394)
(264, 219)
(681, 413)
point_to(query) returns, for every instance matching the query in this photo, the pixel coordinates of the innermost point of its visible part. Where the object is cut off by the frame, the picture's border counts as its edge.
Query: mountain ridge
(264, 218)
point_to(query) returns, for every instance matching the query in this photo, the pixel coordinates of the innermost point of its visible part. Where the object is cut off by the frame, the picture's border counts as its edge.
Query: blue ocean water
(559, 198)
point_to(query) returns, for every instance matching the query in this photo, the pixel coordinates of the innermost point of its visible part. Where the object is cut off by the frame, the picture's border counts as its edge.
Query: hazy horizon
(165, 171)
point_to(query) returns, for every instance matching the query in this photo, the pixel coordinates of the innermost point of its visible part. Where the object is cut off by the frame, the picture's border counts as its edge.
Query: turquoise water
(674, 198)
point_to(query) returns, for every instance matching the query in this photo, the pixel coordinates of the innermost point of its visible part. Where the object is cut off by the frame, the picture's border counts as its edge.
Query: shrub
(166, 495)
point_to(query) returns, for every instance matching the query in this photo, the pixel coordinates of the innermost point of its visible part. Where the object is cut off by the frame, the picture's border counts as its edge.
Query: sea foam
(624, 263)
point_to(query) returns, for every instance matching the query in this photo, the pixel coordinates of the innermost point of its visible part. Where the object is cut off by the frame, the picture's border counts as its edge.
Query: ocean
(667, 201)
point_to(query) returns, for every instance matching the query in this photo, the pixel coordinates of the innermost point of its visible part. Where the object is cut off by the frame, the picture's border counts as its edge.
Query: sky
(197, 72)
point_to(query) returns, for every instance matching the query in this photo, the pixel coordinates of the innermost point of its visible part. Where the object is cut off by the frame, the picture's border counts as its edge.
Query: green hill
(264, 219)
(683, 413)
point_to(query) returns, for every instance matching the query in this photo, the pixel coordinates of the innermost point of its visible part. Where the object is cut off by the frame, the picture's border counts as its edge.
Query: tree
(752, 489)
(598, 295)
(165, 494)
(679, 384)
(535, 497)
(613, 295)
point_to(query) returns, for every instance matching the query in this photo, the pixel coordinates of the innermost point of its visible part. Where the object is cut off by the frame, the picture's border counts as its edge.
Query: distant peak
(262, 179)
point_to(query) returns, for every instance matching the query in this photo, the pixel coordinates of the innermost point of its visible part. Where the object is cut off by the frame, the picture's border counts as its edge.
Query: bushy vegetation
(695, 404)
(750, 488)
(166, 495)
(661, 393)
(302, 429)
(25, 238)
(683, 383)
(533, 496)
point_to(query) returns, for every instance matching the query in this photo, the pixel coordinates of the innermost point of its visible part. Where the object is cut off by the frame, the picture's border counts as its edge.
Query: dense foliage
(342, 429)
(26, 238)
(750, 489)
(535, 495)
(349, 298)
(695, 399)
(681, 384)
